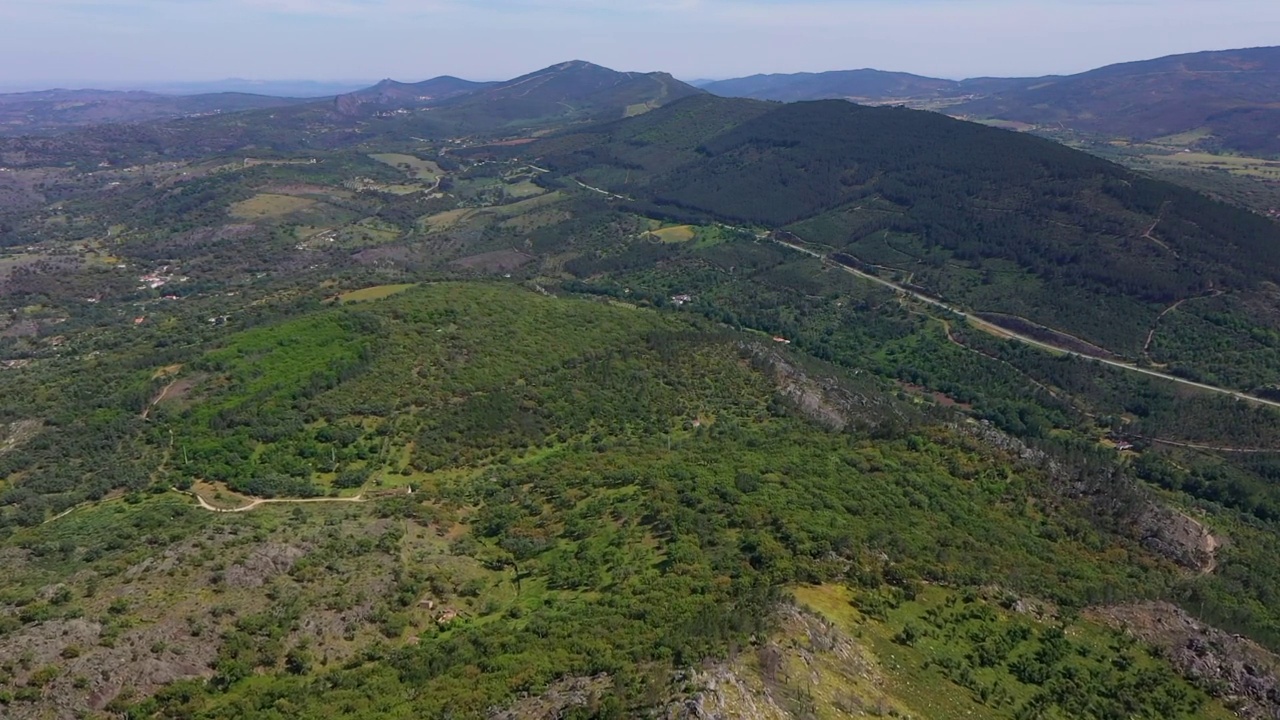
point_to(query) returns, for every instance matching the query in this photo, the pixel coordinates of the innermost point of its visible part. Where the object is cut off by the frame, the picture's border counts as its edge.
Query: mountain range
(1220, 100)
(572, 92)
(1215, 101)
(865, 85)
(53, 111)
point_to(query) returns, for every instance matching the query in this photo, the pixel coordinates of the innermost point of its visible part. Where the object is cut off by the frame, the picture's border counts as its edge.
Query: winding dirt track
(1151, 336)
(204, 504)
(1212, 448)
(1003, 332)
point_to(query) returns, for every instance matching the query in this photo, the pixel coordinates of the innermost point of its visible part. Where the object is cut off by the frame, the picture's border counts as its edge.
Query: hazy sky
(46, 42)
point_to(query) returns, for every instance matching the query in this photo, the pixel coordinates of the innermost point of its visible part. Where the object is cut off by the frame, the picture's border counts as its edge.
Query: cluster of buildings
(159, 279)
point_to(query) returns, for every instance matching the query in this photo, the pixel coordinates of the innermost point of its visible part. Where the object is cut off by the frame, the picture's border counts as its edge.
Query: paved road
(592, 188)
(1004, 332)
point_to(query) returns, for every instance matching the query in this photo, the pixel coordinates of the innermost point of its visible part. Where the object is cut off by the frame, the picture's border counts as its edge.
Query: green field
(269, 205)
(377, 292)
(415, 167)
(1235, 164)
(674, 234)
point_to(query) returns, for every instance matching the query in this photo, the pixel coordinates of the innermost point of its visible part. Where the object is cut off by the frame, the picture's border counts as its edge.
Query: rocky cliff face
(1120, 502)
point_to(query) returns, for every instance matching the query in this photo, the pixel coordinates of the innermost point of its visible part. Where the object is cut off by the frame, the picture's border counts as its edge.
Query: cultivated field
(376, 292)
(674, 234)
(269, 205)
(415, 167)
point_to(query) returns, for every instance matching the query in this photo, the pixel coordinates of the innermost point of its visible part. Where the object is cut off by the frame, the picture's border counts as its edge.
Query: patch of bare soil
(508, 143)
(178, 390)
(942, 399)
(1231, 667)
(16, 433)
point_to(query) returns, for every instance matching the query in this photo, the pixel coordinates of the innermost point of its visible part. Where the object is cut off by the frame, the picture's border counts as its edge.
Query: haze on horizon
(118, 43)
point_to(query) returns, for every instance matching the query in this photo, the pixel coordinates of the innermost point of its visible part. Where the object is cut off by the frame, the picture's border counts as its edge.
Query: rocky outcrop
(92, 672)
(808, 663)
(16, 433)
(263, 563)
(1227, 666)
(822, 399)
(1179, 537)
(563, 695)
(1121, 503)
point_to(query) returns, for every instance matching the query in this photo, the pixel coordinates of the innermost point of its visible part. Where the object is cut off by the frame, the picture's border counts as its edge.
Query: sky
(119, 43)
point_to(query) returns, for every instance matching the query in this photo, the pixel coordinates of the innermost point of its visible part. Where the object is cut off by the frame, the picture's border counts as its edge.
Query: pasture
(415, 167)
(269, 205)
(674, 234)
(376, 292)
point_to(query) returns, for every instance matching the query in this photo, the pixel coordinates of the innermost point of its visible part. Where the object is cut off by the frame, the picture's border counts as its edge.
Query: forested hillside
(1217, 101)
(1000, 222)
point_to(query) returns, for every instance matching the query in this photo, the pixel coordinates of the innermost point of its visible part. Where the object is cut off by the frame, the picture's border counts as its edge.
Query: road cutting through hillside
(1006, 333)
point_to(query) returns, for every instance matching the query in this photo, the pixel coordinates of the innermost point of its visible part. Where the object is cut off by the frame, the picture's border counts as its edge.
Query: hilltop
(1214, 100)
(530, 470)
(571, 92)
(866, 86)
(390, 94)
(1218, 100)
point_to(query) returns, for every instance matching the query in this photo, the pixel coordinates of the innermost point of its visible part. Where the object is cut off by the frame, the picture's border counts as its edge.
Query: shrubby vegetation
(625, 480)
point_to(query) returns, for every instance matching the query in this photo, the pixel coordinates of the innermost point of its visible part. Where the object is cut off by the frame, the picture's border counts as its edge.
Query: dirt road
(204, 504)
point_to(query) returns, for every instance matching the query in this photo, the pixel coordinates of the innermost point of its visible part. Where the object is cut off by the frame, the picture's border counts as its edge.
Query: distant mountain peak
(394, 94)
